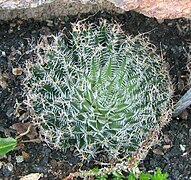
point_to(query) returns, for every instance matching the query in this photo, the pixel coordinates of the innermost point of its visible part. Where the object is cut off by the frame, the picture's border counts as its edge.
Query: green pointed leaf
(109, 69)
(132, 86)
(79, 94)
(94, 67)
(159, 175)
(89, 95)
(131, 177)
(99, 79)
(115, 117)
(122, 107)
(102, 177)
(114, 125)
(86, 106)
(122, 71)
(95, 170)
(144, 176)
(93, 125)
(117, 176)
(103, 111)
(7, 144)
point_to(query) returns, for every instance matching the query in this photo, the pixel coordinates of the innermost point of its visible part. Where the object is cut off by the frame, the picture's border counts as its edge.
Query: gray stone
(7, 169)
(45, 9)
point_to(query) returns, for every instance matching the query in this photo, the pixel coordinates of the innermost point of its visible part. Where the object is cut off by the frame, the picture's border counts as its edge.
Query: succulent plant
(98, 90)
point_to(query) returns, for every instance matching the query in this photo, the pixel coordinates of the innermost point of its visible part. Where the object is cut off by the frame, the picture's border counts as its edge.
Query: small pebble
(19, 159)
(160, 21)
(176, 174)
(17, 71)
(10, 31)
(3, 53)
(10, 112)
(12, 24)
(53, 163)
(7, 169)
(182, 147)
(167, 146)
(40, 169)
(1, 164)
(3, 156)
(19, 22)
(9, 158)
(189, 132)
(32, 176)
(49, 23)
(25, 155)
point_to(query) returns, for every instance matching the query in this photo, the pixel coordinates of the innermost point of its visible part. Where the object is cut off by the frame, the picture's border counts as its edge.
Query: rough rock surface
(44, 9)
(157, 8)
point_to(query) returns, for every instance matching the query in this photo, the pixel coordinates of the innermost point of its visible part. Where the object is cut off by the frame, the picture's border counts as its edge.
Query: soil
(171, 37)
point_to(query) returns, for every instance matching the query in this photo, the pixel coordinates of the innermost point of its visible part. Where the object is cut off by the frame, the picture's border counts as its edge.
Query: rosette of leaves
(98, 90)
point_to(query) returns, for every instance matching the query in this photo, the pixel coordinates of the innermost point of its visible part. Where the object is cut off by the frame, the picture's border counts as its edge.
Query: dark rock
(39, 169)
(176, 174)
(7, 169)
